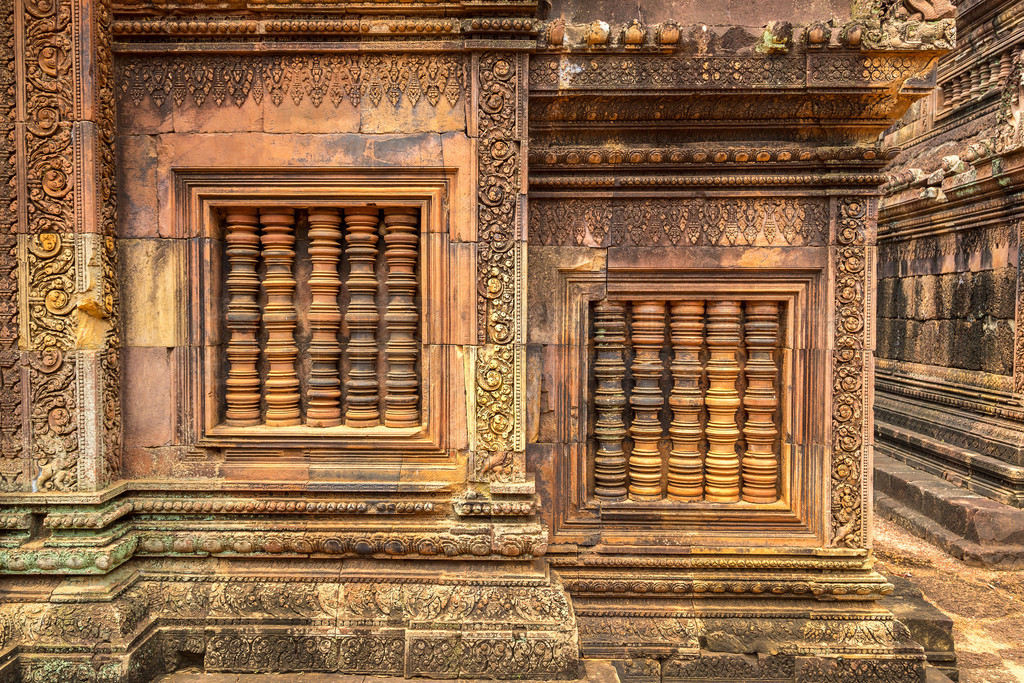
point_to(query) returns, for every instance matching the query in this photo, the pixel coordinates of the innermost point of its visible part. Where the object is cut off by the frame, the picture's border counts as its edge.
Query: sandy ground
(987, 607)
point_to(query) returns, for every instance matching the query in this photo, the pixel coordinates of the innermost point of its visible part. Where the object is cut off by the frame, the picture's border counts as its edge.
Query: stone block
(152, 294)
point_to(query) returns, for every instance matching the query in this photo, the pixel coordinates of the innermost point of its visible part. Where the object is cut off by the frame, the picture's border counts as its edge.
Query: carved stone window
(324, 317)
(686, 400)
(694, 401)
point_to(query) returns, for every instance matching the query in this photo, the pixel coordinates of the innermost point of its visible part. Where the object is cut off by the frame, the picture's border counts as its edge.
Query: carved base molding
(727, 640)
(496, 621)
(446, 622)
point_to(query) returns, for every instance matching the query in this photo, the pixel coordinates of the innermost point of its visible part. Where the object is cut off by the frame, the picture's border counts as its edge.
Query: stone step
(969, 526)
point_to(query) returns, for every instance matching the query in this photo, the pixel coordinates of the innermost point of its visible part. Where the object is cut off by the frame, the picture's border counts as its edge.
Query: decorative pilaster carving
(722, 465)
(761, 400)
(848, 373)
(610, 400)
(401, 401)
(499, 419)
(646, 399)
(58, 154)
(361, 408)
(324, 407)
(685, 465)
(12, 465)
(279, 317)
(241, 233)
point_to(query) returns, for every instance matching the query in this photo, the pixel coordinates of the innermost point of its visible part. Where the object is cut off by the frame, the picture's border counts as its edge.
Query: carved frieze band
(849, 418)
(682, 221)
(371, 79)
(499, 426)
(587, 71)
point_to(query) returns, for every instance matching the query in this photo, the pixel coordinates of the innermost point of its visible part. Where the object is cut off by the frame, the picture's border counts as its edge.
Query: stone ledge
(969, 526)
(930, 627)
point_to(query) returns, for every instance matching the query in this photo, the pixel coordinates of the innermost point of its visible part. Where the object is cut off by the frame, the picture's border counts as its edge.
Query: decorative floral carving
(685, 221)
(848, 373)
(12, 476)
(499, 254)
(54, 423)
(374, 79)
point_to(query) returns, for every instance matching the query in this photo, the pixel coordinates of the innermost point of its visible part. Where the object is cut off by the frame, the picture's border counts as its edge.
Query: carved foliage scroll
(499, 256)
(848, 370)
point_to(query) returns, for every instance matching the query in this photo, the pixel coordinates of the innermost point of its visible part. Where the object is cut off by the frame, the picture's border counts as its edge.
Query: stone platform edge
(972, 528)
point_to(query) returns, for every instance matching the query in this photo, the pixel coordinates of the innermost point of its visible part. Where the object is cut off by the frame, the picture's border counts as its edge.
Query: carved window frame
(795, 520)
(198, 196)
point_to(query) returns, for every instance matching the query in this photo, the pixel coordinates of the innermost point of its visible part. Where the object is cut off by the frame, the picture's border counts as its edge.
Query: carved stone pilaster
(500, 414)
(64, 134)
(851, 418)
(13, 475)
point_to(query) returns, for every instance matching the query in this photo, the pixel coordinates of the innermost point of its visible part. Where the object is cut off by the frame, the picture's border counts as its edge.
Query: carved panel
(849, 374)
(683, 221)
(12, 475)
(499, 423)
(335, 80)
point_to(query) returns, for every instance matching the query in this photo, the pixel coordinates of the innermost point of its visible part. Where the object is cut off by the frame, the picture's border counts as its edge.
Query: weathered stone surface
(450, 340)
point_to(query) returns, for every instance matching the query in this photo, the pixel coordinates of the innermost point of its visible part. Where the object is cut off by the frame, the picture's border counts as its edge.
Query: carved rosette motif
(848, 374)
(499, 254)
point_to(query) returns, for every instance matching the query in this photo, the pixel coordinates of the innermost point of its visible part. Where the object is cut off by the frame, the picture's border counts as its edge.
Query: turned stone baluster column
(324, 407)
(361, 408)
(646, 399)
(610, 400)
(760, 464)
(722, 466)
(685, 468)
(243, 317)
(401, 401)
(279, 317)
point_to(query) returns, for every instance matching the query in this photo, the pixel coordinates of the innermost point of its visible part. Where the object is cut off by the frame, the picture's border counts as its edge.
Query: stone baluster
(610, 400)
(685, 468)
(401, 400)
(958, 90)
(1005, 64)
(279, 317)
(761, 400)
(974, 79)
(361, 409)
(243, 317)
(324, 406)
(985, 67)
(646, 399)
(722, 466)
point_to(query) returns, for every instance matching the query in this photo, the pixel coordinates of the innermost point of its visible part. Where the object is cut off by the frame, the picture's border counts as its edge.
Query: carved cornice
(312, 27)
(577, 180)
(340, 7)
